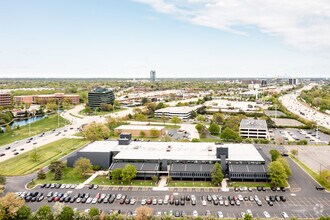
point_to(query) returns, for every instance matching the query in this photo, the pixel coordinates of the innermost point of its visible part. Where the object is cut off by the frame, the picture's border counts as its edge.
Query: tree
(8, 129)
(128, 173)
(214, 129)
(57, 167)
(82, 166)
(294, 152)
(2, 180)
(216, 174)
(151, 107)
(277, 174)
(247, 216)
(9, 206)
(155, 178)
(274, 154)
(23, 213)
(195, 140)
(140, 117)
(176, 120)
(285, 164)
(35, 155)
(116, 174)
(154, 132)
(96, 131)
(142, 134)
(144, 100)
(202, 130)
(325, 176)
(200, 118)
(41, 174)
(218, 118)
(93, 212)
(164, 118)
(44, 212)
(143, 213)
(51, 107)
(66, 214)
(229, 135)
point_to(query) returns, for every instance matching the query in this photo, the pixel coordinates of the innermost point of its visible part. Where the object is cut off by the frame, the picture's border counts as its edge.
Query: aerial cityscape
(164, 109)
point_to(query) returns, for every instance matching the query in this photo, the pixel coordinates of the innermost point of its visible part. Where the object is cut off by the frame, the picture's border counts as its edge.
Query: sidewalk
(161, 184)
(91, 178)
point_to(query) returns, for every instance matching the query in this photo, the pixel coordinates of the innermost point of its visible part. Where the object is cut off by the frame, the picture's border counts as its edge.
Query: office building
(152, 76)
(251, 128)
(293, 81)
(5, 100)
(43, 99)
(100, 95)
(180, 160)
(183, 112)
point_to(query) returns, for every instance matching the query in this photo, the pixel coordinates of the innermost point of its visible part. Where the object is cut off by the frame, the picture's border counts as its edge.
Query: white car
(63, 186)
(133, 201)
(143, 201)
(240, 197)
(284, 215)
(220, 214)
(89, 200)
(118, 196)
(204, 203)
(94, 201)
(195, 213)
(266, 214)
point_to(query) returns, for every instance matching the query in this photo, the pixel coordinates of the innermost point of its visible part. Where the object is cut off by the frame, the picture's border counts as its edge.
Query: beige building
(43, 99)
(4, 99)
(136, 130)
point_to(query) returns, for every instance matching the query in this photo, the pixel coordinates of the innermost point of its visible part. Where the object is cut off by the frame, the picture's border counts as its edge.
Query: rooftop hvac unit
(169, 147)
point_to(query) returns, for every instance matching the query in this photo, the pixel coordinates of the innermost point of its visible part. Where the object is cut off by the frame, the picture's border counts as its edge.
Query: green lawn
(167, 126)
(83, 112)
(68, 176)
(249, 184)
(22, 164)
(37, 127)
(190, 184)
(209, 140)
(312, 173)
(104, 180)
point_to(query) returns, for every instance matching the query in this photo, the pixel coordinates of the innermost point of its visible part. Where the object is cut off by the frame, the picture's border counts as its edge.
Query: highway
(291, 102)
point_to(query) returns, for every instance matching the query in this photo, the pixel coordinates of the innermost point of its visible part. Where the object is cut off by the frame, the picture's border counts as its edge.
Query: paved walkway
(91, 178)
(161, 184)
(224, 187)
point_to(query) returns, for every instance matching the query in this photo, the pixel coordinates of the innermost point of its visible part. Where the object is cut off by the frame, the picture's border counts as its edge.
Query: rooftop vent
(136, 147)
(168, 149)
(209, 148)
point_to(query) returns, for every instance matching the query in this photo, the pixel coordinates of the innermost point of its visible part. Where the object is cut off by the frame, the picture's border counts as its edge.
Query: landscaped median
(104, 180)
(43, 125)
(23, 163)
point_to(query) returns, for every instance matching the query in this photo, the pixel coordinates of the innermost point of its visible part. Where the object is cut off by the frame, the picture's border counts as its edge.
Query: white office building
(250, 128)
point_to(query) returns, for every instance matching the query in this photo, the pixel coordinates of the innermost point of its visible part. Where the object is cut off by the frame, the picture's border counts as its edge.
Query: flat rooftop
(140, 127)
(175, 151)
(253, 124)
(181, 110)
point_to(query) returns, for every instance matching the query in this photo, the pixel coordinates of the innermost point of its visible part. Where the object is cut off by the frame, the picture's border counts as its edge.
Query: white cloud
(304, 24)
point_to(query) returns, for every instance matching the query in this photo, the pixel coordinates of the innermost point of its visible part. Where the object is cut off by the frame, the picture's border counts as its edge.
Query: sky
(177, 38)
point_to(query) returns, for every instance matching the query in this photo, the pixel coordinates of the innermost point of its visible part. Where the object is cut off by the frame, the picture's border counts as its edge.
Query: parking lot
(292, 134)
(294, 206)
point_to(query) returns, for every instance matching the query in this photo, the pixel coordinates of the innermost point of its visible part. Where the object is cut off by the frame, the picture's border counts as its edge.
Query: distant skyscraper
(152, 76)
(293, 81)
(264, 83)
